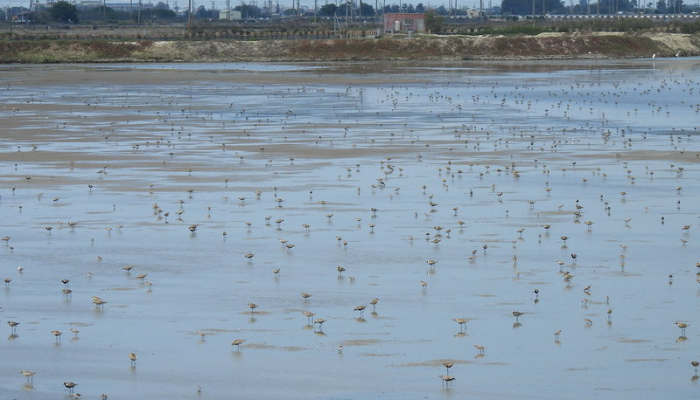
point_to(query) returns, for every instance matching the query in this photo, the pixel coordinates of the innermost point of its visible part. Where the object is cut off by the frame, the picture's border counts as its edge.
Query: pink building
(403, 22)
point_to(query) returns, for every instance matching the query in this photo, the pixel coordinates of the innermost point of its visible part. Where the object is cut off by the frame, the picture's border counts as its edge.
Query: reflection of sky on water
(459, 133)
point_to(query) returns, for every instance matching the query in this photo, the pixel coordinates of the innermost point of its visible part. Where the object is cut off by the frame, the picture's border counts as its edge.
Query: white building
(230, 14)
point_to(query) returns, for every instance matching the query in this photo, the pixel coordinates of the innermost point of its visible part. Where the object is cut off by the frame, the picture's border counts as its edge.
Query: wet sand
(464, 164)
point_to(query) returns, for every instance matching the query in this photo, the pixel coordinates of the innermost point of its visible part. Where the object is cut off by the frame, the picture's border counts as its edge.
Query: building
(404, 22)
(474, 13)
(230, 14)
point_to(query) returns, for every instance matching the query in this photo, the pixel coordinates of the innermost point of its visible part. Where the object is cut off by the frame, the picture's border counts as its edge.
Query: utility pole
(189, 18)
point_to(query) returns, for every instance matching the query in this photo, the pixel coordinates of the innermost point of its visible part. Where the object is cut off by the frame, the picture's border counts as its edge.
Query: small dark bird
(70, 385)
(517, 314)
(252, 306)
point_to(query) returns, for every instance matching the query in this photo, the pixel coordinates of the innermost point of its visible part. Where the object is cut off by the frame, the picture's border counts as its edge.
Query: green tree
(434, 22)
(202, 12)
(63, 11)
(524, 7)
(366, 10)
(163, 13)
(328, 10)
(249, 11)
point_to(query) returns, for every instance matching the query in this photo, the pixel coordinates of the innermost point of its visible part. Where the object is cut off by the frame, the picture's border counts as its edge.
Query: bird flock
(480, 226)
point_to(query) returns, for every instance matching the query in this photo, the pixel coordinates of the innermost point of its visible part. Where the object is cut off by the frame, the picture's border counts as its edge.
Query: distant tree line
(66, 12)
(603, 7)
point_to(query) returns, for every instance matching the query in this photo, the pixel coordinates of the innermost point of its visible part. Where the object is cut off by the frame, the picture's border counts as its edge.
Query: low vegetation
(220, 42)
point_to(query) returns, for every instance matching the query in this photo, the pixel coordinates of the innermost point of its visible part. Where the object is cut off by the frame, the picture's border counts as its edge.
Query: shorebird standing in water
(252, 306)
(447, 365)
(462, 323)
(132, 357)
(682, 326)
(517, 315)
(70, 385)
(320, 322)
(13, 325)
(308, 315)
(28, 374)
(446, 379)
(238, 343)
(480, 348)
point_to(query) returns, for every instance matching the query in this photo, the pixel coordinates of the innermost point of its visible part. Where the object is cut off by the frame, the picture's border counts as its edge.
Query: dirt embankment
(543, 46)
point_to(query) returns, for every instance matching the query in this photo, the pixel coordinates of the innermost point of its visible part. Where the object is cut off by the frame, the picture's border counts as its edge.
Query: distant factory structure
(404, 22)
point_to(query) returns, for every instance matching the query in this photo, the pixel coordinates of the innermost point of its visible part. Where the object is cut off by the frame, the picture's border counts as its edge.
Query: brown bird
(252, 306)
(13, 325)
(308, 315)
(132, 357)
(305, 295)
(57, 334)
(682, 326)
(238, 343)
(517, 315)
(693, 363)
(374, 302)
(320, 322)
(480, 348)
(98, 302)
(447, 365)
(361, 309)
(462, 323)
(28, 374)
(340, 269)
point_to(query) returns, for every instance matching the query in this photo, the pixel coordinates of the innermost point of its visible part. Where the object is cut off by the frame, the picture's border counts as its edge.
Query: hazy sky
(288, 3)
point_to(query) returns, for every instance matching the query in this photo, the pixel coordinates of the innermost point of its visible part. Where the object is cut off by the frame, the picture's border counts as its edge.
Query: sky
(308, 3)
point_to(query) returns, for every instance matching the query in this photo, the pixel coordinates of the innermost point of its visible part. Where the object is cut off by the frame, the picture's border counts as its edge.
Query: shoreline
(546, 46)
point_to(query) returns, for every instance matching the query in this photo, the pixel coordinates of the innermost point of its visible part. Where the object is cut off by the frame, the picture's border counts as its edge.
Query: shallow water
(499, 146)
